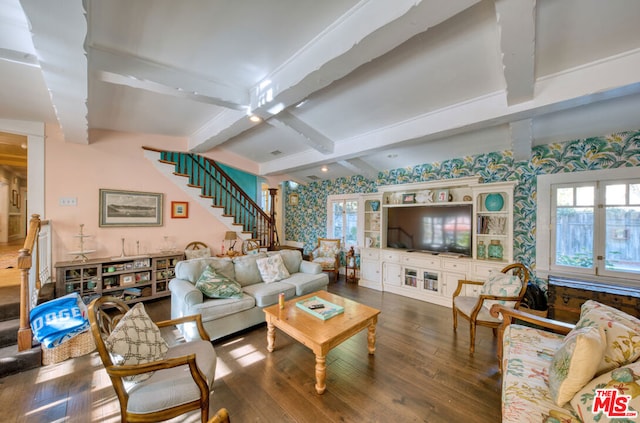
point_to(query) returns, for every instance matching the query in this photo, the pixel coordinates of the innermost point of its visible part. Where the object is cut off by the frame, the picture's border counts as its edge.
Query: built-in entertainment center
(421, 238)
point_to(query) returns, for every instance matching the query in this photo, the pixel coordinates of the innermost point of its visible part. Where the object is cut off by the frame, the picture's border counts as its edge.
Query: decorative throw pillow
(575, 363)
(214, 285)
(625, 380)
(503, 285)
(622, 333)
(272, 268)
(136, 340)
(199, 253)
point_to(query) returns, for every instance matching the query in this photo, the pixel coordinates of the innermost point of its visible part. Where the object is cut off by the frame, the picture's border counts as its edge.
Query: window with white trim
(593, 221)
(342, 219)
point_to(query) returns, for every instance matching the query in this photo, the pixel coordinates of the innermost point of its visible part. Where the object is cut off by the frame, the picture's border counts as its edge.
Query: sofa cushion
(272, 268)
(622, 331)
(625, 380)
(527, 356)
(136, 340)
(246, 269)
(190, 270)
(217, 308)
(215, 285)
(306, 283)
(575, 362)
(291, 258)
(266, 294)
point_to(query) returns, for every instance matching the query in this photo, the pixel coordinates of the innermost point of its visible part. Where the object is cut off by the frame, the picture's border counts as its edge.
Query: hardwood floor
(421, 372)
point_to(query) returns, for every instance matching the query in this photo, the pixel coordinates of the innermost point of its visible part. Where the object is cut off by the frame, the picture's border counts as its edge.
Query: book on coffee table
(320, 308)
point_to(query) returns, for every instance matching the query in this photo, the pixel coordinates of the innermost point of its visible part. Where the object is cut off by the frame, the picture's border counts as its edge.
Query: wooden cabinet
(370, 268)
(133, 279)
(566, 296)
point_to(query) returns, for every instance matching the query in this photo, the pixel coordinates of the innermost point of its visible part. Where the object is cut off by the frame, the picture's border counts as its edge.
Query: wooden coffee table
(320, 336)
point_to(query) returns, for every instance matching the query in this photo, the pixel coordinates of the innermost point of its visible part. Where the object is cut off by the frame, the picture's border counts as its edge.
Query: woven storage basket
(75, 347)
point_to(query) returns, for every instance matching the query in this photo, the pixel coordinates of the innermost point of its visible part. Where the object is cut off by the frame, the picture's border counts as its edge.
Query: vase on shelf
(375, 205)
(481, 251)
(494, 201)
(495, 250)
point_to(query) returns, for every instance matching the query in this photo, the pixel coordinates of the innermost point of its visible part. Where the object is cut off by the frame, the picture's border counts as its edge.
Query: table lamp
(230, 236)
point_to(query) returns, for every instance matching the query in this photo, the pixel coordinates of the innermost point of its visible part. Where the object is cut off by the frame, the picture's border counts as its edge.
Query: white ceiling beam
(521, 133)
(517, 32)
(309, 135)
(60, 51)
(360, 167)
(132, 71)
(369, 30)
(602, 80)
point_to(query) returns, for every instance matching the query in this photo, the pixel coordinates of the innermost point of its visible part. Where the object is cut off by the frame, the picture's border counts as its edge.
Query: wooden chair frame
(519, 270)
(336, 266)
(222, 416)
(102, 323)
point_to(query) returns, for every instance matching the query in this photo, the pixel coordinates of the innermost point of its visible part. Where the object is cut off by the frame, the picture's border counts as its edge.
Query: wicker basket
(75, 347)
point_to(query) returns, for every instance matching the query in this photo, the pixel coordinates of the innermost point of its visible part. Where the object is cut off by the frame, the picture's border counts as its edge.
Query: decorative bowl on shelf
(375, 205)
(494, 202)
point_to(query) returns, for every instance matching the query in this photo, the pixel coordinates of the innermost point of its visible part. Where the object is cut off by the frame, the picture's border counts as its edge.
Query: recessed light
(324, 169)
(255, 118)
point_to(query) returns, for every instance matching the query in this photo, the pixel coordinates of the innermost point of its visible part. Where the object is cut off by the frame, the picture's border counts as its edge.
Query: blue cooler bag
(59, 320)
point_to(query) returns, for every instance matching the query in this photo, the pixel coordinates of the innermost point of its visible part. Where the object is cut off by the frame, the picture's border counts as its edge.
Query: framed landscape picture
(179, 210)
(130, 208)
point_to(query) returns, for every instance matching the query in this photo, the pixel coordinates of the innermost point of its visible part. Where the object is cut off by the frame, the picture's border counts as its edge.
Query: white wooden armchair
(327, 255)
(498, 289)
(164, 388)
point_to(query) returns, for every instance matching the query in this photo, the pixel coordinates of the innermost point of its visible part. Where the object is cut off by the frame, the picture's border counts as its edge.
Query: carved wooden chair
(151, 391)
(222, 416)
(497, 289)
(327, 255)
(196, 249)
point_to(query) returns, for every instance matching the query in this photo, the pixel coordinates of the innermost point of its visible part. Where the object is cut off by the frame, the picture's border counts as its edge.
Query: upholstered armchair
(327, 255)
(506, 288)
(153, 381)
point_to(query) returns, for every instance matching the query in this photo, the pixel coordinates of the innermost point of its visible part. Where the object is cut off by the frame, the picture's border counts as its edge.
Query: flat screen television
(431, 228)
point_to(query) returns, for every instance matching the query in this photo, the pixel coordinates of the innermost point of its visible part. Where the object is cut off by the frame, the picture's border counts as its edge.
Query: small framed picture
(408, 198)
(442, 196)
(127, 279)
(179, 210)
(294, 199)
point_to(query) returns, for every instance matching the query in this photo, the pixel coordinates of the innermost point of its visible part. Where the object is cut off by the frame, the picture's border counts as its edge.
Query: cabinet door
(370, 269)
(450, 283)
(392, 274)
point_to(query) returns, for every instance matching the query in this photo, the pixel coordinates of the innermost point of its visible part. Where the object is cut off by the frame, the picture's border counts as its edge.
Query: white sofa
(551, 370)
(224, 316)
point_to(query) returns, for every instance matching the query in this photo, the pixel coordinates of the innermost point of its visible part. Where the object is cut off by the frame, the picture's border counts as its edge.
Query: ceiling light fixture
(255, 118)
(324, 169)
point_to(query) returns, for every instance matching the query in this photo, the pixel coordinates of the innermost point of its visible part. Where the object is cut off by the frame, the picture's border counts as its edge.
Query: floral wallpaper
(307, 221)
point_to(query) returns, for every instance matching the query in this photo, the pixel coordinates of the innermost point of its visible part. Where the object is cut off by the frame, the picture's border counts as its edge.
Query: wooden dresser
(566, 296)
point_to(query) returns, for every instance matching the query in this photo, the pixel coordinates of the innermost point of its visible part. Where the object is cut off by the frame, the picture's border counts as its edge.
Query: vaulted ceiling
(356, 86)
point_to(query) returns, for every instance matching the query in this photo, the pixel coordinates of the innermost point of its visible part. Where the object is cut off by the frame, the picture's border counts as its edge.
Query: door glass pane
(622, 238)
(564, 196)
(337, 219)
(634, 194)
(616, 195)
(584, 196)
(574, 236)
(351, 223)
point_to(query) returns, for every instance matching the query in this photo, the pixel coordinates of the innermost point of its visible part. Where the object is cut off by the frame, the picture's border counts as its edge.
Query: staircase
(12, 361)
(209, 185)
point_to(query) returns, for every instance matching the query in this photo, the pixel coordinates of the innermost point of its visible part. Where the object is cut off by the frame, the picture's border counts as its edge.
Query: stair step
(9, 332)
(12, 361)
(9, 311)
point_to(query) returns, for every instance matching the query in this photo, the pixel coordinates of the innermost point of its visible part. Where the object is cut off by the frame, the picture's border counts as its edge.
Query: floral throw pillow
(622, 333)
(136, 340)
(503, 285)
(575, 363)
(272, 268)
(215, 285)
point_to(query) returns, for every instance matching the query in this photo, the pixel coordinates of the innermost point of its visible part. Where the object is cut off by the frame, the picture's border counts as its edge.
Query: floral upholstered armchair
(327, 255)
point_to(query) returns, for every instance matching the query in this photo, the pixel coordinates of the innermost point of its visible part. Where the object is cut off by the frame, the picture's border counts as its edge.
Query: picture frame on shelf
(130, 208)
(179, 210)
(408, 198)
(442, 196)
(127, 279)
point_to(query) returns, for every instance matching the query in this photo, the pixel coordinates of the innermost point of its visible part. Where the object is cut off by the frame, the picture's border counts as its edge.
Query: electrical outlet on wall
(68, 201)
